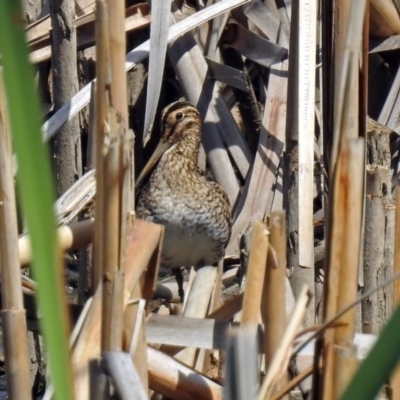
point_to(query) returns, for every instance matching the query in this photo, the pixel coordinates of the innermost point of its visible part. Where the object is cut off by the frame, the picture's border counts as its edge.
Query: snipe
(194, 211)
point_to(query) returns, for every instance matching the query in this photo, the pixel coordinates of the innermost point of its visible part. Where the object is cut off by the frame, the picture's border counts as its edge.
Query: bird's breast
(195, 232)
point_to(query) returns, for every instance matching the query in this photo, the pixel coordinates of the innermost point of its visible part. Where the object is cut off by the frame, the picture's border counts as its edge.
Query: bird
(195, 211)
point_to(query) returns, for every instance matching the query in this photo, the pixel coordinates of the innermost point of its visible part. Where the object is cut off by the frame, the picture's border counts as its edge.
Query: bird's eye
(179, 116)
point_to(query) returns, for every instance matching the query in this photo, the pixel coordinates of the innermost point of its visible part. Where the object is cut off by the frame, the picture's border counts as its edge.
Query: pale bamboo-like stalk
(112, 289)
(197, 305)
(173, 379)
(116, 37)
(257, 191)
(109, 142)
(138, 255)
(119, 101)
(204, 360)
(305, 125)
(341, 286)
(346, 104)
(69, 237)
(216, 300)
(299, 155)
(255, 275)
(13, 313)
(135, 321)
(340, 24)
(108, 191)
(124, 376)
(101, 105)
(364, 69)
(192, 275)
(352, 158)
(10, 270)
(122, 165)
(335, 235)
(385, 20)
(348, 34)
(395, 378)
(273, 308)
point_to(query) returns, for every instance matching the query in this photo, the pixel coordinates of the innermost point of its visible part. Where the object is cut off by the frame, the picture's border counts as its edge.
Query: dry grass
(295, 180)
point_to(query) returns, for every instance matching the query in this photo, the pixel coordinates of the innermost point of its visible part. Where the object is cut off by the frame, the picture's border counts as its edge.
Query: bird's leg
(179, 280)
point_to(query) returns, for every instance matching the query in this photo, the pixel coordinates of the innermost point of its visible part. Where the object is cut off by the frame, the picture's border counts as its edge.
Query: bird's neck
(186, 150)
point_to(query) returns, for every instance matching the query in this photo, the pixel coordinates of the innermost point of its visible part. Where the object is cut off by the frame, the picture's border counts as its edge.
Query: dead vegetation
(285, 90)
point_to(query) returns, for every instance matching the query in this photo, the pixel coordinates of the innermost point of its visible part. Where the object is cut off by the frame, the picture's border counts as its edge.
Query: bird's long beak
(162, 147)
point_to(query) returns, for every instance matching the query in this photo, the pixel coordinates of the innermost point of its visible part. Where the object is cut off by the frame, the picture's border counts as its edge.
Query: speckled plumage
(194, 210)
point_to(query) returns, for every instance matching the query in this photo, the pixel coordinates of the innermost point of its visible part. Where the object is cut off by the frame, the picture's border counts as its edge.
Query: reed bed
(300, 104)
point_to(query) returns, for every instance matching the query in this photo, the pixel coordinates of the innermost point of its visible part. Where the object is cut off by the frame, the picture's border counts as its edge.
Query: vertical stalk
(255, 275)
(65, 85)
(345, 120)
(13, 313)
(116, 37)
(395, 378)
(113, 153)
(274, 294)
(299, 176)
(101, 104)
(352, 180)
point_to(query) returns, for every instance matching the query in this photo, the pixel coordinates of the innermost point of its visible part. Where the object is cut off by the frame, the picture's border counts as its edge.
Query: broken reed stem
(173, 379)
(71, 237)
(197, 305)
(10, 270)
(143, 247)
(13, 313)
(273, 308)
(119, 101)
(341, 286)
(395, 378)
(255, 275)
(352, 178)
(135, 320)
(345, 119)
(298, 176)
(124, 376)
(364, 78)
(101, 106)
(116, 38)
(111, 318)
(348, 35)
(340, 24)
(331, 292)
(109, 136)
(204, 360)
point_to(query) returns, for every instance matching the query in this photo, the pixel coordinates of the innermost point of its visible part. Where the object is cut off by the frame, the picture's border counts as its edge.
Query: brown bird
(194, 211)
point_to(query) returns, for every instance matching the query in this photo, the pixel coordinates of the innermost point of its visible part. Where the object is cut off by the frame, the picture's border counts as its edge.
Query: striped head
(181, 121)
